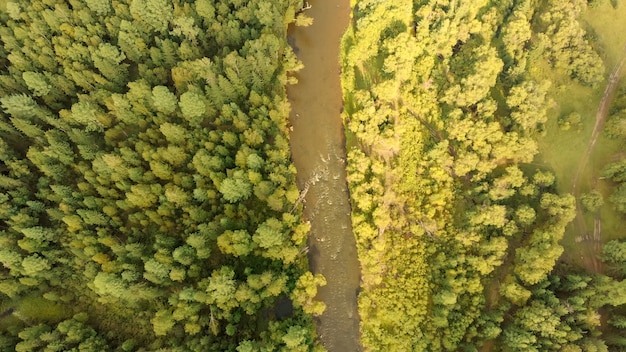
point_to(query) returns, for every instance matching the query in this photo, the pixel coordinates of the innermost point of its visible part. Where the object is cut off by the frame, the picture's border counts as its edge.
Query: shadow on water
(318, 152)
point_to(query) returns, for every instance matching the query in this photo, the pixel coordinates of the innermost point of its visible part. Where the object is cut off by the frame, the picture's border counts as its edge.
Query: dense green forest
(149, 200)
(148, 196)
(458, 225)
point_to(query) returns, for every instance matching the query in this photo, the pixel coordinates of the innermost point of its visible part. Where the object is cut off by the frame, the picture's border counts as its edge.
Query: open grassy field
(608, 29)
(563, 150)
(31, 310)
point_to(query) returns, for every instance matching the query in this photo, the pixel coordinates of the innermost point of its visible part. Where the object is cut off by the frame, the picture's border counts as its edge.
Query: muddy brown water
(318, 152)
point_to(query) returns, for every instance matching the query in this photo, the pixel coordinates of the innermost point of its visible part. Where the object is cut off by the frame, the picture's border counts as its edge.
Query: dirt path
(589, 255)
(601, 114)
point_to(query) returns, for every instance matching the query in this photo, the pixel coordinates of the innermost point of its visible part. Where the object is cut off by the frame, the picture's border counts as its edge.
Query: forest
(460, 222)
(148, 197)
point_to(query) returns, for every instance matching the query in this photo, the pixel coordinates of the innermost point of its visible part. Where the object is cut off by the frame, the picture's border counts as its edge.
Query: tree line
(146, 179)
(458, 231)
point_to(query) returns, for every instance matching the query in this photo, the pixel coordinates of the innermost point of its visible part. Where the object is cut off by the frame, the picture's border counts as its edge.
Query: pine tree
(221, 289)
(193, 108)
(156, 14)
(164, 100)
(236, 188)
(37, 83)
(141, 196)
(238, 243)
(107, 59)
(100, 7)
(131, 42)
(174, 134)
(35, 266)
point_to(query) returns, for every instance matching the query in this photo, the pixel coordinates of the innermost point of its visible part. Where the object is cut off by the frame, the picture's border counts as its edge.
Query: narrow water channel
(318, 152)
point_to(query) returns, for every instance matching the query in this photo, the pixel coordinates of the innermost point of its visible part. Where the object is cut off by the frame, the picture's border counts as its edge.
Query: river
(318, 152)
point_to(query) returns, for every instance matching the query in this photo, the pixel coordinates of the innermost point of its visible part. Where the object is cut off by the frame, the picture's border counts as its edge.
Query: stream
(318, 152)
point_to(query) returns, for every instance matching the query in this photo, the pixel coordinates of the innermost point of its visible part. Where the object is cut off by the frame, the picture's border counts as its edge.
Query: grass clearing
(608, 26)
(563, 150)
(32, 310)
(40, 309)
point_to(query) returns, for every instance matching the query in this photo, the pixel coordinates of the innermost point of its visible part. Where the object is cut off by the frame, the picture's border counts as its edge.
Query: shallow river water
(318, 151)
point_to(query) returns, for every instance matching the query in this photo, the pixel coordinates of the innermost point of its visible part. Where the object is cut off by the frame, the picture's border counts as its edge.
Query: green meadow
(563, 150)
